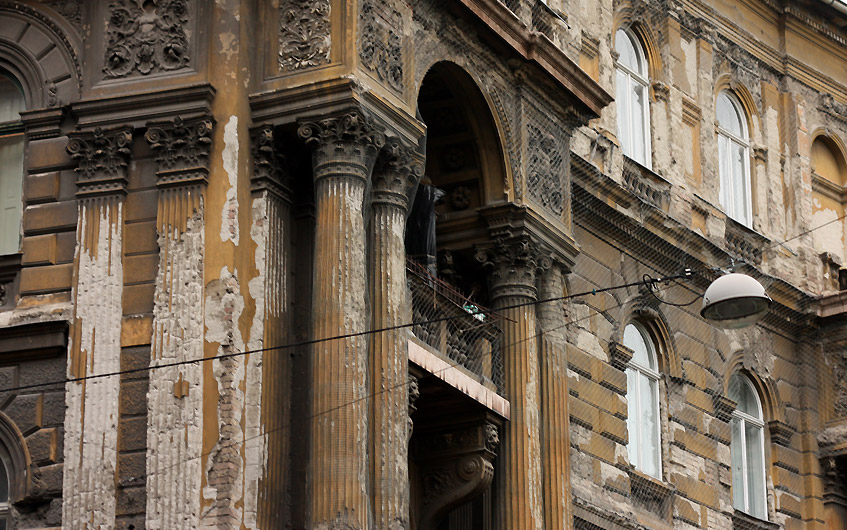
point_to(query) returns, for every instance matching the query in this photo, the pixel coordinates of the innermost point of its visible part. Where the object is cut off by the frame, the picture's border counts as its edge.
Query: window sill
(743, 521)
(651, 493)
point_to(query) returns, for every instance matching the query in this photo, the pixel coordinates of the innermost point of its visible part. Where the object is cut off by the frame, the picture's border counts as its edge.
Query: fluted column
(91, 424)
(555, 420)
(512, 267)
(394, 181)
(269, 374)
(175, 396)
(344, 151)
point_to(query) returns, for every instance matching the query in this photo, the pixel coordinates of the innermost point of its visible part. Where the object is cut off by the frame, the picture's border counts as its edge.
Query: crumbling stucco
(91, 425)
(175, 423)
(229, 157)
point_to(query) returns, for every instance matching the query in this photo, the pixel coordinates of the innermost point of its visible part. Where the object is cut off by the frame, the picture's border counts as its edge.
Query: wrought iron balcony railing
(464, 332)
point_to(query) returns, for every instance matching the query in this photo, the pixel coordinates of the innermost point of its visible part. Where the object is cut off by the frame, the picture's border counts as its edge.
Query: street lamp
(735, 301)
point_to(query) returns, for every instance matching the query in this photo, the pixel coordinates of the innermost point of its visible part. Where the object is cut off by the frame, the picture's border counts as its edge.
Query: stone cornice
(154, 105)
(305, 102)
(538, 49)
(655, 236)
(43, 123)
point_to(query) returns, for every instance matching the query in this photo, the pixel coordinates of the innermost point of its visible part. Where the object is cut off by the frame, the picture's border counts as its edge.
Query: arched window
(633, 111)
(642, 395)
(11, 162)
(5, 515)
(829, 180)
(734, 160)
(748, 449)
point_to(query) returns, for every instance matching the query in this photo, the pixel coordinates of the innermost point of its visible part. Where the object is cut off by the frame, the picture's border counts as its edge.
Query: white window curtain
(734, 160)
(11, 163)
(748, 449)
(642, 394)
(632, 98)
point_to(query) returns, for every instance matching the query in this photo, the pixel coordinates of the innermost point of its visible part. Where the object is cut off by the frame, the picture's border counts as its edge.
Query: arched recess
(829, 195)
(37, 51)
(772, 406)
(465, 169)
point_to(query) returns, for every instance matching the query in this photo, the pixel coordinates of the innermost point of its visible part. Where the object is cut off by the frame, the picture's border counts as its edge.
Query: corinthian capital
(352, 127)
(513, 265)
(102, 159)
(182, 150)
(397, 174)
(268, 172)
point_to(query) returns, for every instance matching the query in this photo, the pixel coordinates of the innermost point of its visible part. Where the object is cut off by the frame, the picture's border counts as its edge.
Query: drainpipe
(840, 5)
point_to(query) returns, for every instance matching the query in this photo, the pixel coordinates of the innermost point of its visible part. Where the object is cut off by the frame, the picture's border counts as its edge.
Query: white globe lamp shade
(735, 301)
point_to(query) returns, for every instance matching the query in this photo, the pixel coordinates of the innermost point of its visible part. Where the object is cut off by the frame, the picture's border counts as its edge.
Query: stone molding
(146, 41)
(743, 521)
(43, 123)
(305, 39)
(457, 464)
(268, 173)
(182, 150)
(397, 173)
(102, 158)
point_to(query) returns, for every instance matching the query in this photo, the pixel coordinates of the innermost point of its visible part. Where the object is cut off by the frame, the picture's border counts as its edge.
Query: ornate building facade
(403, 264)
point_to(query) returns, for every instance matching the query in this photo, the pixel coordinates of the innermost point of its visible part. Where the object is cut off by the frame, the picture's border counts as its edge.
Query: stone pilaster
(269, 375)
(91, 424)
(394, 181)
(344, 150)
(175, 397)
(555, 419)
(512, 271)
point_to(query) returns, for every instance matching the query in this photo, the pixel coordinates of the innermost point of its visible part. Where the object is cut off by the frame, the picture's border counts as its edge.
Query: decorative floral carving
(146, 36)
(102, 158)
(545, 173)
(381, 45)
(71, 10)
(52, 95)
(182, 150)
(492, 437)
(304, 34)
(350, 127)
(840, 379)
(513, 265)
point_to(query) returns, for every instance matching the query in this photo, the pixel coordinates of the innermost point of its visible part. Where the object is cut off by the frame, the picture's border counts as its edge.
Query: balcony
(463, 333)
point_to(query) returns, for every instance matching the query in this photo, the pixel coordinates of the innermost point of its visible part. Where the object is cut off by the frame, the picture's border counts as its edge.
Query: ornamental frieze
(146, 36)
(304, 34)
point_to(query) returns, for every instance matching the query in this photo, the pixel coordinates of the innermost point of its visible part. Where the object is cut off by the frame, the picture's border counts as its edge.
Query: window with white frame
(734, 159)
(11, 162)
(642, 395)
(632, 97)
(748, 449)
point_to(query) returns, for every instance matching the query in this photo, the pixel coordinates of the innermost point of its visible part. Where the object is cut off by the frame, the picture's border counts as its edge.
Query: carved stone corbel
(458, 467)
(102, 159)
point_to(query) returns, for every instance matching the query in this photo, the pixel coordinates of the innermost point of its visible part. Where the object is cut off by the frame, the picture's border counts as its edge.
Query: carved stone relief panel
(146, 37)
(545, 169)
(380, 42)
(304, 34)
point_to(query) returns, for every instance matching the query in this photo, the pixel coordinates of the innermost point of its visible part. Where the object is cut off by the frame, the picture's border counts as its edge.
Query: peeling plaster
(175, 425)
(91, 422)
(229, 157)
